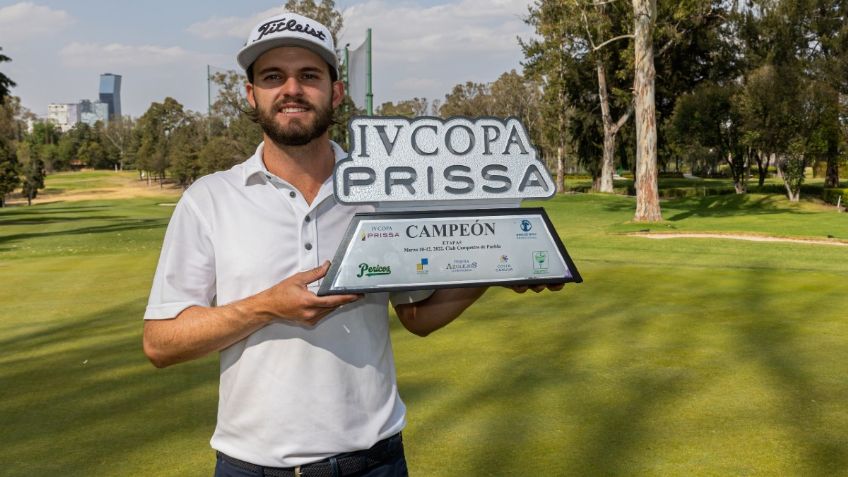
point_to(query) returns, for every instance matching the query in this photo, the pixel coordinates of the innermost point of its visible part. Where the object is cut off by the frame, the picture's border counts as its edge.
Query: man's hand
(291, 299)
(536, 288)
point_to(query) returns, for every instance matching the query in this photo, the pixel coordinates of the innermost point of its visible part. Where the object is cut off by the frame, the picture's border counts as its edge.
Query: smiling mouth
(293, 110)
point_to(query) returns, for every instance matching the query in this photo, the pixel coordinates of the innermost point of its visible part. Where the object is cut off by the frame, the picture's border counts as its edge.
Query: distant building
(64, 115)
(110, 93)
(92, 111)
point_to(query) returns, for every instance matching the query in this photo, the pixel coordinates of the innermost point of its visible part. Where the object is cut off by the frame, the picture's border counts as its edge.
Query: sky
(421, 48)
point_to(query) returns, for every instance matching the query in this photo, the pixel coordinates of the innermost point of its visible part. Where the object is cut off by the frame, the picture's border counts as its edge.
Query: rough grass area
(683, 357)
(96, 185)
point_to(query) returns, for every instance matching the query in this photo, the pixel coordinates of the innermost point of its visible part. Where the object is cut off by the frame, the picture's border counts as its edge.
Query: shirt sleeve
(185, 275)
(407, 297)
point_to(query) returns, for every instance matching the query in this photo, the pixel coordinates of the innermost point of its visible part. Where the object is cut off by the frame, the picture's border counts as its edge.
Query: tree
(117, 138)
(410, 108)
(816, 135)
(605, 20)
(6, 84)
(9, 170)
(186, 141)
(220, 153)
(33, 177)
(767, 105)
(547, 63)
(229, 116)
(154, 129)
(469, 99)
(708, 118)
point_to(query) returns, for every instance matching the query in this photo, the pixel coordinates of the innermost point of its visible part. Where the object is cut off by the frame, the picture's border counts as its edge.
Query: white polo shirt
(289, 394)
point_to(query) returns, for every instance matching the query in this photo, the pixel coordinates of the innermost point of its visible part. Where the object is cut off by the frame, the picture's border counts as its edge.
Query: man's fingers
(309, 276)
(334, 301)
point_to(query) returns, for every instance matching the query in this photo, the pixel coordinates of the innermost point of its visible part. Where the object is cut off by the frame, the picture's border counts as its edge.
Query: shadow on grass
(124, 225)
(612, 427)
(724, 206)
(55, 219)
(84, 387)
(773, 342)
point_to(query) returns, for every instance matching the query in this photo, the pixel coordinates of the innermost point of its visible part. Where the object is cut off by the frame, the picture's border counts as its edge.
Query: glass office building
(110, 93)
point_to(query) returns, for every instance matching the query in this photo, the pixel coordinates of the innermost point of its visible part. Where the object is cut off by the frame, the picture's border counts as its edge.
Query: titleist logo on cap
(282, 24)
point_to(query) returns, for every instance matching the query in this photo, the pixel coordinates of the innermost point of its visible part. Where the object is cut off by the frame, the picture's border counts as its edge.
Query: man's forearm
(444, 306)
(198, 331)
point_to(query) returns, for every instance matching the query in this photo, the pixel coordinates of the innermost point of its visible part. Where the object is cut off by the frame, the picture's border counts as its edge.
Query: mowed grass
(674, 357)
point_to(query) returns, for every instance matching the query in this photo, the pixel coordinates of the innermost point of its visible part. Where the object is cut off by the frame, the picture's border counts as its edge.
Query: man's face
(293, 95)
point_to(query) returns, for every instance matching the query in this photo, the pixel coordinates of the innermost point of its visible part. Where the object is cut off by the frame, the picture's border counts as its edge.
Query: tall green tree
(230, 119)
(768, 104)
(117, 139)
(709, 119)
(9, 171)
(186, 141)
(154, 131)
(581, 36)
(33, 171)
(6, 83)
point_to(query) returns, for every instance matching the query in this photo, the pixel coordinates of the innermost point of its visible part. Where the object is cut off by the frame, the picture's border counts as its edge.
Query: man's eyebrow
(269, 69)
(277, 69)
(312, 69)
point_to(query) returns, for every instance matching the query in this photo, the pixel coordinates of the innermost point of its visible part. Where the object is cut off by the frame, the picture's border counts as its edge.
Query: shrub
(831, 196)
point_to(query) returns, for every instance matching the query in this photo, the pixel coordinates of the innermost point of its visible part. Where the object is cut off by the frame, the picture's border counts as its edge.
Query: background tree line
(707, 87)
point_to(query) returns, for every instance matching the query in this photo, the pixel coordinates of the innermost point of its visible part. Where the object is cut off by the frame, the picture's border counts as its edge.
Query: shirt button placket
(310, 235)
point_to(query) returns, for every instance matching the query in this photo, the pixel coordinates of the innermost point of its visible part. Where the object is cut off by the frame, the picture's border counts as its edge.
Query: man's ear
(338, 93)
(248, 89)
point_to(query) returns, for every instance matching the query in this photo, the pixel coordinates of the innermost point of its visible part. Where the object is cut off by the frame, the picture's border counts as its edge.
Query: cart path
(751, 238)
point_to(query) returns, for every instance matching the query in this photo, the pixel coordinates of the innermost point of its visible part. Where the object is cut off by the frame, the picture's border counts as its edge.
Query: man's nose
(292, 87)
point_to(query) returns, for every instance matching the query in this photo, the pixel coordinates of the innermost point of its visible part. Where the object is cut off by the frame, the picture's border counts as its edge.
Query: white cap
(289, 29)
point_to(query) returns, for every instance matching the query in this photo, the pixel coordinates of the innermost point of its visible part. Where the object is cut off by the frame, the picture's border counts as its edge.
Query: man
(308, 383)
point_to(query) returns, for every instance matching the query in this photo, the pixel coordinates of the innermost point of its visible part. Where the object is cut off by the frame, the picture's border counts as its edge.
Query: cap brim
(250, 53)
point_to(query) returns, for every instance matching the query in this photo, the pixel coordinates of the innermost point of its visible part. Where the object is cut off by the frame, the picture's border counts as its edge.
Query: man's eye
(273, 77)
(309, 76)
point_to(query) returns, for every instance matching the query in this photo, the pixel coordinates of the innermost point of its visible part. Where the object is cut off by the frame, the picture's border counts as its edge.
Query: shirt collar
(256, 166)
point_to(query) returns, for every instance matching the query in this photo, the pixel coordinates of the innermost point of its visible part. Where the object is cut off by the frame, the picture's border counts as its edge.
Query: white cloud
(114, 55)
(26, 20)
(418, 84)
(229, 27)
(410, 33)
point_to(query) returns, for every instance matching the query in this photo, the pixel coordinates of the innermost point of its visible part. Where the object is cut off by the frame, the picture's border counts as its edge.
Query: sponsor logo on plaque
(540, 262)
(461, 266)
(378, 232)
(526, 228)
(366, 270)
(504, 265)
(422, 267)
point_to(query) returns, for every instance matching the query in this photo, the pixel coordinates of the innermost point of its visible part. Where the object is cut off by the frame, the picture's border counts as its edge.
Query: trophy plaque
(446, 195)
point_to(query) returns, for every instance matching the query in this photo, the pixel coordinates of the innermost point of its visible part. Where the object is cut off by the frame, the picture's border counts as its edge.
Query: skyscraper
(110, 93)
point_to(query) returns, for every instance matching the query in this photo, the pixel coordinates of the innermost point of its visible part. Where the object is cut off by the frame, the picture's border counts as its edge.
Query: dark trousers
(395, 467)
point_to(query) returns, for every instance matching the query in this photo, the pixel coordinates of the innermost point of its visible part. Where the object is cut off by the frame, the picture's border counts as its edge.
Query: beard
(296, 132)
